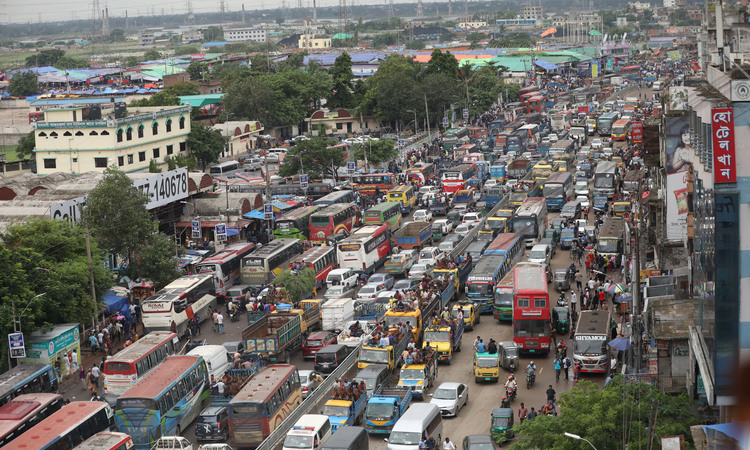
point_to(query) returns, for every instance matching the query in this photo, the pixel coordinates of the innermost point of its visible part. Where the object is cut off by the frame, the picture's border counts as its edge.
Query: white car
(584, 199)
(418, 270)
(473, 218)
(339, 292)
(450, 398)
(491, 183)
(422, 215)
(353, 141)
(596, 144)
(553, 138)
(430, 255)
(369, 292)
(444, 225)
(307, 380)
(428, 190)
(464, 229)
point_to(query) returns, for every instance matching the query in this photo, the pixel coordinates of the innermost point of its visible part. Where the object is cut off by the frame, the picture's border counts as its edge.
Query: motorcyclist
(505, 403)
(511, 383)
(531, 368)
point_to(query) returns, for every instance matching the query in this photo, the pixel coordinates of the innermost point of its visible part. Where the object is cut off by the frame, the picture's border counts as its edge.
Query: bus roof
(299, 212)
(622, 122)
(635, 174)
(173, 290)
(142, 346)
(488, 266)
(312, 254)
(385, 206)
(160, 377)
(593, 322)
(529, 277)
(272, 247)
(503, 241)
(56, 424)
(333, 196)
(259, 388)
(21, 406)
(613, 227)
(104, 440)
(557, 177)
(403, 187)
(10, 380)
(606, 167)
(531, 205)
(363, 233)
(332, 209)
(228, 252)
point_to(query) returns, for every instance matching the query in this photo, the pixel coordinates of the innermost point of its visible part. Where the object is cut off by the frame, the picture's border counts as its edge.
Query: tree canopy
(342, 75)
(206, 144)
(297, 284)
(314, 156)
(47, 57)
(377, 151)
(23, 84)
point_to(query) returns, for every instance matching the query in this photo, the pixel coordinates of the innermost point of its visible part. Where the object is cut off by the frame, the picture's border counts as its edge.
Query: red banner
(722, 130)
(636, 132)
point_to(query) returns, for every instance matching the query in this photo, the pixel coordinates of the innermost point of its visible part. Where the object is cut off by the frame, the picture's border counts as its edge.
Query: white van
(421, 420)
(309, 433)
(345, 277)
(216, 357)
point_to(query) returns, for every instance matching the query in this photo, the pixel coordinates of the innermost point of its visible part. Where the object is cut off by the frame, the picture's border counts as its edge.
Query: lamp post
(416, 124)
(17, 319)
(579, 438)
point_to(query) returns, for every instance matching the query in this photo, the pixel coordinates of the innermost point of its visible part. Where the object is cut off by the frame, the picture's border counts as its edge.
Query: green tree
(182, 161)
(162, 98)
(26, 146)
(23, 84)
(297, 285)
(213, 33)
(198, 70)
(622, 414)
(116, 214)
(416, 44)
(132, 61)
(17, 287)
(151, 55)
(393, 91)
(377, 152)
(117, 35)
(314, 156)
(294, 61)
(69, 62)
(342, 76)
(153, 168)
(384, 40)
(46, 57)
(156, 260)
(250, 98)
(182, 88)
(186, 50)
(205, 143)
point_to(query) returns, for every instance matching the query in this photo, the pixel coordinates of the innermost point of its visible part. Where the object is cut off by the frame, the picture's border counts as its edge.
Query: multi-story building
(245, 34)
(312, 42)
(529, 12)
(82, 139)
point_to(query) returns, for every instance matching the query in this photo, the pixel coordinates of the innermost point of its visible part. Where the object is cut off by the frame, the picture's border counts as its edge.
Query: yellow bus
(621, 130)
(404, 195)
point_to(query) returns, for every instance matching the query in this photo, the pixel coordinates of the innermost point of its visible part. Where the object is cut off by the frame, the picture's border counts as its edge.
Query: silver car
(340, 291)
(450, 398)
(307, 380)
(386, 279)
(418, 270)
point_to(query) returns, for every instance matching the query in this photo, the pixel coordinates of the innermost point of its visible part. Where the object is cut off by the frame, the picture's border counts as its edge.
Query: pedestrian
(73, 361)
(522, 413)
(96, 372)
(448, 445)
(573, 300)
(220, 323)
(422, 444)
(431, 443)
(551, 394)
(577, 371)
(82, 375)
(613, 365)
(532, 414)
(553, 333)
(566, 366)
(65, 366)
(215, 318)
(579, 280)
(558, 368)
(91, 382)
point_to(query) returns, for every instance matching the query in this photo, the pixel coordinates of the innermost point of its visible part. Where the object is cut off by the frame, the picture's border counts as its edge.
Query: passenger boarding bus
(404, 195)
(335, 219)
(164, 402)
(605, 122)
(322, 260)
(336, 197)
(388, 213)
(420, 172)
(366, 249)
(224, 266)
(27, 379)
(25, 411)
(295, 224)
(480, 286)
(621, 130)
(531, 309)
(67, 427)
(263, 404)
(530, 220)
(170, 308)
(124, 369)
(107, 440)
(604, 178)
(558, 189)
(368, 183)
(267, 262)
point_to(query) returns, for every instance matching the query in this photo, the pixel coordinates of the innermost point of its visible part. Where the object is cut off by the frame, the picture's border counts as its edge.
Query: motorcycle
(510, 393)
(530, 378)
(561, 301)
(234, 315)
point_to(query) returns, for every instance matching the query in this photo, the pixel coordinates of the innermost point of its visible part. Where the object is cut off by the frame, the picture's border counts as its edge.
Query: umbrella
(549, 31)
(618, 288)
(120, 317)
(620, 343)
(624, 298)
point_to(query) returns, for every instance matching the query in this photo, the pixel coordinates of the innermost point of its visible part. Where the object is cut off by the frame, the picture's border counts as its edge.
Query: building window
(67, 133)
(100, 162)
(120, 161)
(42, 134)
(50, 163)
(169, 125)
(170, 149)
(182, 123)
(130, 158)
(140, 130)
(183, 146)
(79, 133)
(53, 134)
(155, 128)
(93, 133)
(141, 156)
(105, 133)
(156, 153)
(119, 135)
(129, 134)
(339, 126)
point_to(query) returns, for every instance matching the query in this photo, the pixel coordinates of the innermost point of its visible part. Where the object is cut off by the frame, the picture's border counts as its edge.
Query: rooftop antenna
(221, 12)
(450, 8)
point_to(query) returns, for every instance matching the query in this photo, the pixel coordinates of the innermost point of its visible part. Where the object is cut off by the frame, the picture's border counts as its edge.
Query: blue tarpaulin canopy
(232, 231)
(545, 65)
(255, 214)
(115, 299)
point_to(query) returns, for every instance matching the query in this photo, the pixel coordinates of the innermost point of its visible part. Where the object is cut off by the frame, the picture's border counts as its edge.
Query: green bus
(295, 224)
(386, 212)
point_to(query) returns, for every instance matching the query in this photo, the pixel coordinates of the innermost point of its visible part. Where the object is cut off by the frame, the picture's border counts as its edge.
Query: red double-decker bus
(531, 309)
(337, 218)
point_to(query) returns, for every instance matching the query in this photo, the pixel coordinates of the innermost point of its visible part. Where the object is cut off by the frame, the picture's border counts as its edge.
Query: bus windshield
(604, 180)
(374, 356)
(250, 410)
(553, 191)
(608, 245)
(487, 362)
(521, 226)
(383, 411)
(436, 336)
(590, 346)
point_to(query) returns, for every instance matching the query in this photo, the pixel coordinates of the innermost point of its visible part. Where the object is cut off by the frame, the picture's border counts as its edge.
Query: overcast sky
(17, 11)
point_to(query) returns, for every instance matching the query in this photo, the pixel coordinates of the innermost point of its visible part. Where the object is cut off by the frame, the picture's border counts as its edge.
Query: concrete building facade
(245, 34)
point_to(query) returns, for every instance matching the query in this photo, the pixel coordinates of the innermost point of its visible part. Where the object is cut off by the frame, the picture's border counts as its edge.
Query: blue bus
(165, 401)
(480, 286)
(518, 142)
(558, 188)
(336, 197)
(27, 379)
(507, 244)
(498, 172)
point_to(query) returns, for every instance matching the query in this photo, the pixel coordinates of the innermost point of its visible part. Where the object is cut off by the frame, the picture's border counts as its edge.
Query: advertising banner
(610, 64)
(636, 132)
(678, 163)
(594, 69)
(722, 132)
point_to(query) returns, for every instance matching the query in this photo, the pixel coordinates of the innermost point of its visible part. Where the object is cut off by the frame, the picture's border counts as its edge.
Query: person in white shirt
(74, 362)
(220, 323)
(448, 445)
(573, 301)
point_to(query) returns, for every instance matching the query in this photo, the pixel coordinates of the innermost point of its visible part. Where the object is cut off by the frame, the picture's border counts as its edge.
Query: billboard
(722, 132)
(678, 98)
(678, 163)
(594, 69)
(636, 132)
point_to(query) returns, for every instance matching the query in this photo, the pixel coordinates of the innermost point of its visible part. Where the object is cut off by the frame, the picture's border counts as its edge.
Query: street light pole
(17, 319)
(579, 438)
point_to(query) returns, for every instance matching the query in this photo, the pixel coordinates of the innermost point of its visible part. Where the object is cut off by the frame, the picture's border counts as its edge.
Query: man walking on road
(220, 323)
(215, 319)
(558, 368)
(448, 445)
(551, 394)
(566, 366)
(522, 413)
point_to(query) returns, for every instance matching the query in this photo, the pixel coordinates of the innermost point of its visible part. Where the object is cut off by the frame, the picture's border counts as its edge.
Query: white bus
(530, 220)
(532, 129)
(365, 249)
(170, 308)
(265, 263)
(224, 266)
(225, 170)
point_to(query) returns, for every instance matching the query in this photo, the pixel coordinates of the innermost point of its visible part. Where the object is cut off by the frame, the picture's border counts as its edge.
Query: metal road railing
(274, 439)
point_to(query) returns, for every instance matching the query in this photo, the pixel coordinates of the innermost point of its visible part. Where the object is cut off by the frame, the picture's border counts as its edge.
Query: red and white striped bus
(66, 428)
(107, 440)
(531, 308)
(366, 249)
(124, 369)
(224, 265)
(322, 260)
(25, 411)
(457, 178)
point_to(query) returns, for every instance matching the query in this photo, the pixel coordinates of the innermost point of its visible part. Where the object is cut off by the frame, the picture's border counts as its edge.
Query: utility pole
(91, 269)
(635, 315)
(427, 116)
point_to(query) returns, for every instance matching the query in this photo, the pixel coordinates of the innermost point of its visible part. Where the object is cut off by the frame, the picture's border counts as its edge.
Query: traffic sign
(268, 211)
(303, 180)
(466, 113)
(196, 229)
(401, 143)
(445, 121)
(17, 348)
(220, 230)
(351, 166)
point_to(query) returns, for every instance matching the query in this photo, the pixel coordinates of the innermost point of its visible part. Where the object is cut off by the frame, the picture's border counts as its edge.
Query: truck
(417, 318)
(413, 235)
(371, 312)
(463, 199)
(344, 411)
(385, 407)
(446, 338)
(400, 263)
(274, 336)
(239, 377)
(336, 313)
(418, 376)
(389, 356)
(364, 331)
(519, 167)
(459, 273)
(311, 313)
(590, 346)
(309, 318)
